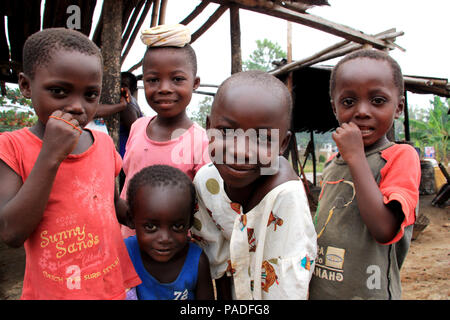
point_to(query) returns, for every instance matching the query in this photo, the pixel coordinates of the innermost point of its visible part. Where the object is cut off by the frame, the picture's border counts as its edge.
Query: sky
(425, 24)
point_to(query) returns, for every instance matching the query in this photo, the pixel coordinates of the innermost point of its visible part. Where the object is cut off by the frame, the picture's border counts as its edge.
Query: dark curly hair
(129, 80)
(371, 54)
(187, 49)
(159, 176)
(39, 47)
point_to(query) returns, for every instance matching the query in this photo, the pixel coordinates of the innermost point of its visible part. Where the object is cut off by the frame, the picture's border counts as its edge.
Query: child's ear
(130, 220)
(333, 107)
(400, 107)
(25, 85)
(196, 83)
(208, 123)
(285, 142)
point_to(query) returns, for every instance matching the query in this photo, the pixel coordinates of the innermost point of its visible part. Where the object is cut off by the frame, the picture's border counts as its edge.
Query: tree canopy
(261, 58)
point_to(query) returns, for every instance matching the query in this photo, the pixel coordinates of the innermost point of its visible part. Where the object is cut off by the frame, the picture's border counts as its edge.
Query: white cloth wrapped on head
(167, 35)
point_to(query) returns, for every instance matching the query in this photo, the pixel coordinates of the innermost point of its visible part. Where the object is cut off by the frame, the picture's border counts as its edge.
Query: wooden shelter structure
(121, 20)
(22, 23)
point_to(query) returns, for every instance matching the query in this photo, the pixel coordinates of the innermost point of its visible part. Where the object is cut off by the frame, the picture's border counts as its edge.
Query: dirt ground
(426, 270)
(425, 273)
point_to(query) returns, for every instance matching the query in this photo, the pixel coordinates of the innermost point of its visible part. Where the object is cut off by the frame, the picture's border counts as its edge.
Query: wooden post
(293, 141)
(162, 12)
(294, 153)
(154, 21)
(313, 153)
(111, 48)
(289, 54)
(235, 30)
(406, 121)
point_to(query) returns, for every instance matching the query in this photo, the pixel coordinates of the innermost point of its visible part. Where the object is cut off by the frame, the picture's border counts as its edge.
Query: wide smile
(165, 103)
(365, 131)
(162, 251)
(240, 170)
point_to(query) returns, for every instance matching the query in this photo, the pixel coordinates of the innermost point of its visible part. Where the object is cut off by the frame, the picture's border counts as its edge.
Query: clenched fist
(61, 135)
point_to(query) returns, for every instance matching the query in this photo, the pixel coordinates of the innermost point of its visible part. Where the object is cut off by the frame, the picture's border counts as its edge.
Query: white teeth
(365, 131)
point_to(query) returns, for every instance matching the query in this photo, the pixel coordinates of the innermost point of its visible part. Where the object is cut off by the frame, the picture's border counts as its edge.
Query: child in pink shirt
(57, 193)
(170, 137)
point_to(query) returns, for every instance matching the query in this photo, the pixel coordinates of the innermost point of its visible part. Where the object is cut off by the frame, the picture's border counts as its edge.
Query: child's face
(366, 95)
(161, 218)
(70, 82)
(254, 110)
(168, 81)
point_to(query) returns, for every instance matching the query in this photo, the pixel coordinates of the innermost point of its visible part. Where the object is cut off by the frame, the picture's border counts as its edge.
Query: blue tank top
(182, 288)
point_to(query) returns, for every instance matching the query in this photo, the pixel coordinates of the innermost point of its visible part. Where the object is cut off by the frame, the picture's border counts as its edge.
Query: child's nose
(164, 236)
(362, 110)
(75, 107)
(244, 149)
(165, 86)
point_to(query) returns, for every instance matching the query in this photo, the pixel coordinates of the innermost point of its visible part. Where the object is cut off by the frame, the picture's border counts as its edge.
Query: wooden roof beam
(131, 22)
(315, 22)
(195, 13)
(136, 30)
(211, 20)
(337, 50)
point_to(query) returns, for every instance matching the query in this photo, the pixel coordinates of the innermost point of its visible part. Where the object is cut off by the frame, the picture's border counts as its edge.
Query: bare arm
(223, 287)
(383, 221)
(204, 290)
(122, 210)
(22, 205)
(128, 116)
(104, 110)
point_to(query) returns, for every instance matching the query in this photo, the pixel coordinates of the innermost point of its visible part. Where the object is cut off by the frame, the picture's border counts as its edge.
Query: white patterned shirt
(273, 245)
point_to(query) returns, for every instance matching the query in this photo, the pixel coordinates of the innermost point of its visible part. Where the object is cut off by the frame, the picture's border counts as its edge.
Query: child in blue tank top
(161, 205)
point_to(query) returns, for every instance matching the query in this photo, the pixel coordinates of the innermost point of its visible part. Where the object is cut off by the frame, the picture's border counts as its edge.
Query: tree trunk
(111, 51)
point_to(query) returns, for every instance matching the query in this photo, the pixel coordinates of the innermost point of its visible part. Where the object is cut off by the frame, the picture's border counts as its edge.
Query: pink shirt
(76, 251)
(188, 152)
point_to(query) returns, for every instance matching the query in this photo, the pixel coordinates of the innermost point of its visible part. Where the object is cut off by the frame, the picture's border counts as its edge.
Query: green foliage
(204, 108)
(309, 165)
(14, 96)
(261, 58)
(319, 139)
(11, 120)
(432, 128)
